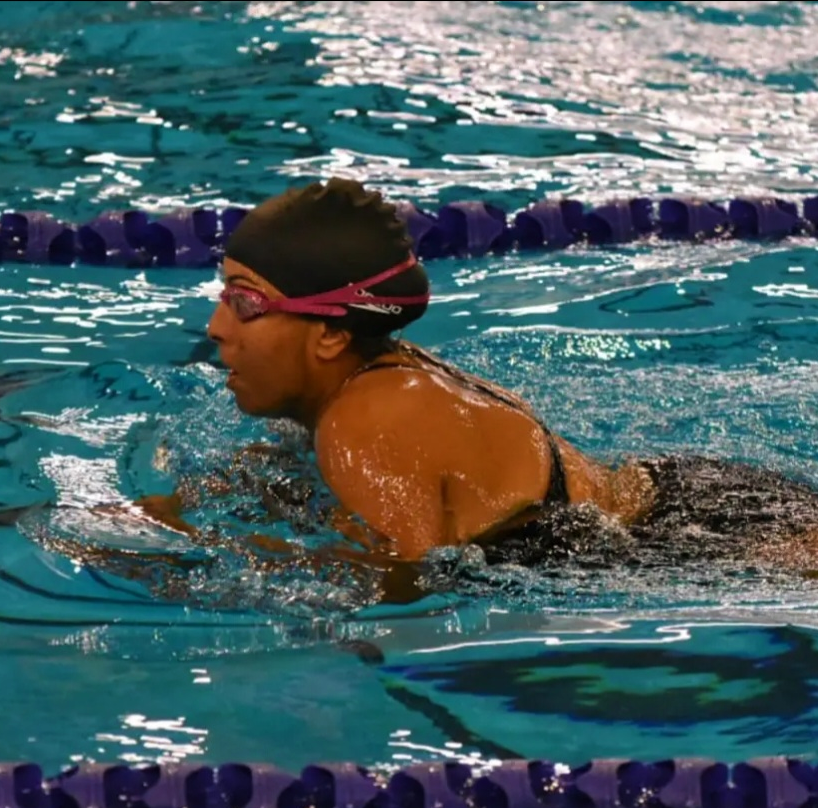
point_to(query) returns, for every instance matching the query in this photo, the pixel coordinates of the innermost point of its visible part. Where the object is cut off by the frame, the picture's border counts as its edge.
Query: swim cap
(322, 238)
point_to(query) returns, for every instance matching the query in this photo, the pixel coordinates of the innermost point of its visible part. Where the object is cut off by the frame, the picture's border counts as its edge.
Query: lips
(231, 373)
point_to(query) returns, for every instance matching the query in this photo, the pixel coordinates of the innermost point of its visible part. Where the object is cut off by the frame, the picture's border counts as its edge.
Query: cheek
(273, 358)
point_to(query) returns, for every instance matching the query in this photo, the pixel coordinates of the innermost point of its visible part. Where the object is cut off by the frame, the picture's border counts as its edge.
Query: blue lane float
(775, 782)
(195, 237)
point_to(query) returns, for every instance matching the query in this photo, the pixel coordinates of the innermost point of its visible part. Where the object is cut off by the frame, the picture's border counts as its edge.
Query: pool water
(109, 388)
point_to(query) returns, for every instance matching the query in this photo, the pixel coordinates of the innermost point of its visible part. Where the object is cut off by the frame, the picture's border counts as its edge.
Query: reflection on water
(593, 100)
(475, 687)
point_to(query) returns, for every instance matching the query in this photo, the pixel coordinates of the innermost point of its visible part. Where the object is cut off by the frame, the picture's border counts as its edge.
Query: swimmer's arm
(390, 477)
(169, 575)
(168, 508)
(398, 578)
(411, 529)
(365, 552)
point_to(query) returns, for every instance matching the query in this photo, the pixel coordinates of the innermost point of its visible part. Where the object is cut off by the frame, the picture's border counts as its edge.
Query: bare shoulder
(377, 449)
(392, 403)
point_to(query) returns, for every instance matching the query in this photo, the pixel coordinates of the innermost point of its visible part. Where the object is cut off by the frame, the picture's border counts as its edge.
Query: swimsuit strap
(558, 484)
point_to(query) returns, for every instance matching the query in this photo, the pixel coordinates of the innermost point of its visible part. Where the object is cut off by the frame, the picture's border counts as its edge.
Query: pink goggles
(247, 304)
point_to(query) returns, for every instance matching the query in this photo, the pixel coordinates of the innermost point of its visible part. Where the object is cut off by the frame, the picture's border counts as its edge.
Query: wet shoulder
(392, 401)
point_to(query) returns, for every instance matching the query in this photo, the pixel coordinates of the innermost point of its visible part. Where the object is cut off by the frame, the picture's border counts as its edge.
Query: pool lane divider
(195, 237)
(772, 782)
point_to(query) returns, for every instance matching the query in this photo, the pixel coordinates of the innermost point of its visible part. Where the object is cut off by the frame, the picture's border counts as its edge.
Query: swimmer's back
(449, 460)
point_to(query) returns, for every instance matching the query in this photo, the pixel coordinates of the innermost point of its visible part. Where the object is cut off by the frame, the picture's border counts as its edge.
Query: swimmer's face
(268, 354)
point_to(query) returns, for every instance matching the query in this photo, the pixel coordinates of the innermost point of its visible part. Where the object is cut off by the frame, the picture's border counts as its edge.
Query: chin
(258, 412)
(258, 409)
(247, 406)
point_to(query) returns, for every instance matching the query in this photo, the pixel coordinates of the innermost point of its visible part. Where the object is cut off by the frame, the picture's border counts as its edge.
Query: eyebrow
(243, 278)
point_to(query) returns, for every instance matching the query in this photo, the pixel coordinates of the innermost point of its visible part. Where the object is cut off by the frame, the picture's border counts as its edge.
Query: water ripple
(418, 98)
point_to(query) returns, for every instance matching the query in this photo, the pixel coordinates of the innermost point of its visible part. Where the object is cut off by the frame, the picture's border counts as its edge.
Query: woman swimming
(316, 283)
(419, 455)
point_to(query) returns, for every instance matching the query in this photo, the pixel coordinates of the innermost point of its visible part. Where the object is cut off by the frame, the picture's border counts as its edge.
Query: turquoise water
(108, 388)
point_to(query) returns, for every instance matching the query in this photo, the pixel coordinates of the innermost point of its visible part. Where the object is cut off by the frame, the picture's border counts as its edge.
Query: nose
(217, 326)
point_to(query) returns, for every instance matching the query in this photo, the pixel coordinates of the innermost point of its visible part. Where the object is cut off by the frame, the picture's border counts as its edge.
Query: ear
(329, 342)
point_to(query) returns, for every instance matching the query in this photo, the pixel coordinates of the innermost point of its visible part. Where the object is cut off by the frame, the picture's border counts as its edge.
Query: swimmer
(317, 283)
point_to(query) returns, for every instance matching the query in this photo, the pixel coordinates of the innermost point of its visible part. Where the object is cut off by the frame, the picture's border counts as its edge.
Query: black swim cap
(323, 237)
